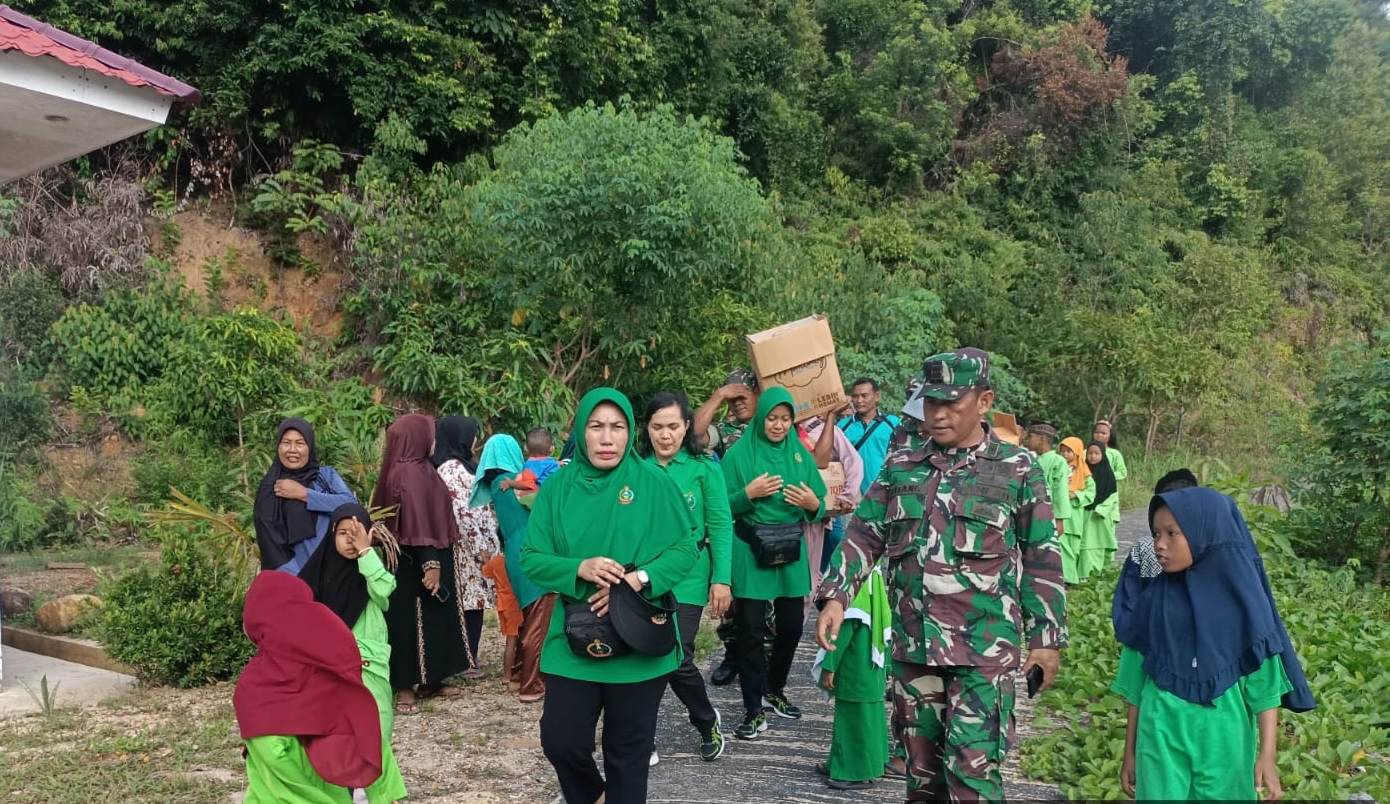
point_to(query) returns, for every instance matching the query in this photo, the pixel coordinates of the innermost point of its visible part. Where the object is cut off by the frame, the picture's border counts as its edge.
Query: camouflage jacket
(729, 431)
(972, 559)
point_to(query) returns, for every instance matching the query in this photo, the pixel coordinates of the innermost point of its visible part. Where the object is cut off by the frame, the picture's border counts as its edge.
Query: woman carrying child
(1206, 661)
(499, 465)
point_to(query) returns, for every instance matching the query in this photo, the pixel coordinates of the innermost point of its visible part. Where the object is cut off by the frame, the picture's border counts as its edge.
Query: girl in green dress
(772, 480)
(310, 726)
(1081, 490)
(350, 578)
(1101, 515)
(1206, 661)
(855, 673)
(605, 512)
(1104, 432)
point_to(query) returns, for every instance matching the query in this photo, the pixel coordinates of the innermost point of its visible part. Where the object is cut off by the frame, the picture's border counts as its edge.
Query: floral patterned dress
(477, 540)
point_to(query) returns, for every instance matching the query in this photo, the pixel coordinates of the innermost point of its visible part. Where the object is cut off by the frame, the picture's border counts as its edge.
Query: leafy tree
(580, 259)
(1345, 510)
(230, 366)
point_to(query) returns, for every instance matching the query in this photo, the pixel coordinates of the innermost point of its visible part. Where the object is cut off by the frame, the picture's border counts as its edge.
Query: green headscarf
(500, 452)
(594, 511)
(753, 454)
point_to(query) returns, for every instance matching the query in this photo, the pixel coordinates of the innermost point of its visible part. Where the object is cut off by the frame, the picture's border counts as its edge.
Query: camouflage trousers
(956, 723)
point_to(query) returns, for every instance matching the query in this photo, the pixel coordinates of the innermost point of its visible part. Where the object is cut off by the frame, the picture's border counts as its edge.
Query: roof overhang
(61, 96)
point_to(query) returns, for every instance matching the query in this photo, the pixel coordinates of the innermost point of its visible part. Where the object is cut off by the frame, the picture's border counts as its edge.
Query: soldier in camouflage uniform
(974, 569)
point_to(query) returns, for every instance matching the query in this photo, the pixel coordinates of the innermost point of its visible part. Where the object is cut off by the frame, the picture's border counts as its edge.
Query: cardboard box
(1006, 427)
(834, 477)
(800, 356)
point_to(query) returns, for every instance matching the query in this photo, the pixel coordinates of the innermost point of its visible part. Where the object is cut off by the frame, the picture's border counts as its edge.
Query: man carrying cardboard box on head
(975, 577)
(800, 357)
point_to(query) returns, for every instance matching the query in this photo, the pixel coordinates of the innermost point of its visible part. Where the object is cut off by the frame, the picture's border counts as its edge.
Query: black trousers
(686, 682)
(756, 675)
(572, 709)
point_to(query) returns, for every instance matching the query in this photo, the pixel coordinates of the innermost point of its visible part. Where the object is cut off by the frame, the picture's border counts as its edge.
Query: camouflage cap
(1043, 429)
(948, 376)
(742, 376)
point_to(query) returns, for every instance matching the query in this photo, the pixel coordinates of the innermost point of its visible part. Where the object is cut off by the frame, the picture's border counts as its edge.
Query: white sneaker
(655, 758)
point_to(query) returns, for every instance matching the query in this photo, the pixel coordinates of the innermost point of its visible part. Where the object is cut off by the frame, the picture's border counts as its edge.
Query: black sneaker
(751, 727)
(723, 675)
(779, 704)
(712, 740)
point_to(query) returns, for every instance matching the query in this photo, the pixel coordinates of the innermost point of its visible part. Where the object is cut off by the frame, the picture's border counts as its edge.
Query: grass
(1145, 469)
(100, 559)
(133, 752)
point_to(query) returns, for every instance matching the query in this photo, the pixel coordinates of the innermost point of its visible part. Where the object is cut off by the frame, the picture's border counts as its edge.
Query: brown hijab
(425, 517)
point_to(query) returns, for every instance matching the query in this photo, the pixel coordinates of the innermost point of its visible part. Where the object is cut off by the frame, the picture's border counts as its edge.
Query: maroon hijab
(305, 681)
(425, 516)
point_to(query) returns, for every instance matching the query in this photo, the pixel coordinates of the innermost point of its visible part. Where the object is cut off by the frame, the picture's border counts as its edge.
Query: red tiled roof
(34, 38)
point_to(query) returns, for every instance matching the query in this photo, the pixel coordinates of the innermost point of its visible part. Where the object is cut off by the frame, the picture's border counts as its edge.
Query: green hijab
(594, 511)
(501, 453)
(754, 454)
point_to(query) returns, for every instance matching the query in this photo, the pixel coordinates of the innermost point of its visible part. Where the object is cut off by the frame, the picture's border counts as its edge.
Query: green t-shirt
(1184, 751)
(1057, 472)
(702, 486)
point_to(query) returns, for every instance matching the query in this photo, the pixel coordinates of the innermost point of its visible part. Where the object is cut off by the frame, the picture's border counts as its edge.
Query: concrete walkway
(779, 765)
(76, 684)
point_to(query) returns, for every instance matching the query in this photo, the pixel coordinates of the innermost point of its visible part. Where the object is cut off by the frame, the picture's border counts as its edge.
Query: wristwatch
(644, 579)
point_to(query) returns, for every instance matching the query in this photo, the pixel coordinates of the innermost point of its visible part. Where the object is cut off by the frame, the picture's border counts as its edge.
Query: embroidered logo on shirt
(690, 500)
(625, 497)
(797, 457)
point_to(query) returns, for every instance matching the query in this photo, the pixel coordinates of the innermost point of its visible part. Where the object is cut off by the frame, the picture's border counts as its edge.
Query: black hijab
(453, 441)
(1104, 475)
(334, 579)
(280, 523)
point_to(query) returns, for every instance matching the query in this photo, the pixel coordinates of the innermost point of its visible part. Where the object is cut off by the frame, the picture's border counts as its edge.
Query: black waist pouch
(590, 635)
(773, 545)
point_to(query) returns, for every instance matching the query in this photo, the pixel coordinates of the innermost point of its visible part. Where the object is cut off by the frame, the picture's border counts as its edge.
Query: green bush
(201, 470)
(178, 623)
(29, 304)
(25, 419)
(124, 344)
(20, 518)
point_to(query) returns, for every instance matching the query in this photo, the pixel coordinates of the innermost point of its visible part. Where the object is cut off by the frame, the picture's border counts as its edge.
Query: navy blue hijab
(1201, 630)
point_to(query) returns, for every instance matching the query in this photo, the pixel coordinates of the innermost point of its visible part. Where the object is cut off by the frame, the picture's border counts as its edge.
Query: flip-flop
(890, 772)
(530, 699)
(823, 769)
(473, 674)
(406, 708)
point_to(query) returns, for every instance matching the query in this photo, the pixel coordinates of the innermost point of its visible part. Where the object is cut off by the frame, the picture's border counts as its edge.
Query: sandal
(823, 769)
(891, 772)
(530, 699)
(407, 707)
(472, 674)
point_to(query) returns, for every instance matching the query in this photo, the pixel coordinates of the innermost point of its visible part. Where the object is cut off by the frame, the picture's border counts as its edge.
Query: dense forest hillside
(1172, 213)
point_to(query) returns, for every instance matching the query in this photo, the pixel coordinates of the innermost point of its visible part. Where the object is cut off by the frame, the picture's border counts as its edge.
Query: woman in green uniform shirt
(771, 480)
(671, 444)
(606, 510)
